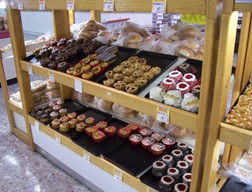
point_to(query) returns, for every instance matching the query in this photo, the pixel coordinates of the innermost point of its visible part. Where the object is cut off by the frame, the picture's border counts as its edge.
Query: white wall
(36, 22)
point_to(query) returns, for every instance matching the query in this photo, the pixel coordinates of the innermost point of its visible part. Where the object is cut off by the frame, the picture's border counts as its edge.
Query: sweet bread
(120, 85)
(118, 76)
(137, 73)
(129, 79)
(131, 88)
(109, 82)
(109, 74)
(127, 71)
(155, 70)
(148, 75)
(141, 81)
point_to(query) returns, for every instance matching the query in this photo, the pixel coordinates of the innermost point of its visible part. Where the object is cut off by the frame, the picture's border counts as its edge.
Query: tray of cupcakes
(53, 110)
(181, 87)
(172, 172)
(72, 124)
(138, 71)
(102, 137)
(142, 148)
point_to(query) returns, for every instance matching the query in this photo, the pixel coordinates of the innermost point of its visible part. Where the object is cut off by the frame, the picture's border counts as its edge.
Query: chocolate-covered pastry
(44, 62)
(54, 54)
(72, 54)
(61, 57)
(54, 43)
(43, 53)
(80, 41)
(53, 65)
(196, 90)
(185, 68)
(63, 66)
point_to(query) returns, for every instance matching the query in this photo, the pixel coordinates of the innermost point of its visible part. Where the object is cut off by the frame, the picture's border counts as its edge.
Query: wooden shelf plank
(235, 136)
(182, 6)
(16, 108)
(140, 104)
(244, 7)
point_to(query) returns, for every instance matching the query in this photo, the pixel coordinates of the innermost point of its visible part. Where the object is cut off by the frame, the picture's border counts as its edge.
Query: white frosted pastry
(190, 103)
(157, 93)
(173, 97)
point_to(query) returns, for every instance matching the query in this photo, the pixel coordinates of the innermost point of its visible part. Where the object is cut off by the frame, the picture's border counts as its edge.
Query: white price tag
(159, 6)
(118, 176)
(41, 4)
(78, 85)
(108, 5)
(30, 70)
(70, 4)
(20, 5)
(51, 76)
(160, 16)
(57, 138)
(12, 4)
(163, 114)
(36, 125)
(86, 156)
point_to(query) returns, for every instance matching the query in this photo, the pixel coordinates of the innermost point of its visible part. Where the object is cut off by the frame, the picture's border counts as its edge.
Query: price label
(163, 114)
(193, 18)
(41, 4)
(250, 147)
(12, 4)
(57, 138)
(158, 6)
(118, 176)
(109, 93)
(20, 5)
(36, 125)
(51, 76)
(70, 4)
(78, 85)
(86, 156)
(30, 70)
(108, 5)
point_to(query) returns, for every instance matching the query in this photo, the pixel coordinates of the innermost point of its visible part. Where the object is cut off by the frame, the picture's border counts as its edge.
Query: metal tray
(108, 145)
(133, 158)
(155, 60)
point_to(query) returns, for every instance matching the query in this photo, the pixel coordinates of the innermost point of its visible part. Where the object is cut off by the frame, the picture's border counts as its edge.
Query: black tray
(233, 185)
(154, 59)
(89, 112)
(108, 145)
(133, 158)
(122, 54)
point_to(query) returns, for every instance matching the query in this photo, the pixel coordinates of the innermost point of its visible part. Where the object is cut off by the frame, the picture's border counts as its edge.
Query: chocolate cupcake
(72, 54)
(168, 160)
(53, 65)
(166, 183)
(63, 66)
(61, 57)
(183, 167)
(159, 168)
(174, 173)
(44, 62)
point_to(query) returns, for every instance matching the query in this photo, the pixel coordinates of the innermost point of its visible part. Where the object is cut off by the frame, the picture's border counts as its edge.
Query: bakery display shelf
(143, 105)
(96, 160)
(244, 7)
(163, 61)
(16, 107)
(138, 159)
(173, 6)
(235, 136)
(109, 144)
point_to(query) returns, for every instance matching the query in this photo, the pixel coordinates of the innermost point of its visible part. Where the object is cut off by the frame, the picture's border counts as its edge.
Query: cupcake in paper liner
(157, 93)
(173, 97)
(190, 103)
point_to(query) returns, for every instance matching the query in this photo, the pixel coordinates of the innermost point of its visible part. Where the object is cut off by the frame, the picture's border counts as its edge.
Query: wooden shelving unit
(219, 44)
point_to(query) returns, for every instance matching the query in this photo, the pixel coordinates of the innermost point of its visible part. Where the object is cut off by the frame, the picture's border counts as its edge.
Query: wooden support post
(221, 88)
(95, 15)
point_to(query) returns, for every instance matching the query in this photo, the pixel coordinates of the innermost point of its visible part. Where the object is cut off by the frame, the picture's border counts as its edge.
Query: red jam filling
(167, 179)
(190, 157)
(188, 177)
(159, 164)
(172, 170)
(181, 187)
(182, 164)
(188, 76)
(167, 157)
(177, 152)
(182, 85)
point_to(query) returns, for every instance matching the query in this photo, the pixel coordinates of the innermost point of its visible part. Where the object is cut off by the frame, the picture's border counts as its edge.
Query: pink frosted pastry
(158, 136)
(157, 148)
(135, 138)
(147, 142)
(183, 87)
(145, 131)
(190, 79)
(176, 75)
(168, 84)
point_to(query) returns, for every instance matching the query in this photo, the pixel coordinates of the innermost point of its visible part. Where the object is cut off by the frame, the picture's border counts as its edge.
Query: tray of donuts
(137, 72)
(172, 172)
(240, 113)
(72, 124)
(53, 110)
(142, 148)
(181, 87)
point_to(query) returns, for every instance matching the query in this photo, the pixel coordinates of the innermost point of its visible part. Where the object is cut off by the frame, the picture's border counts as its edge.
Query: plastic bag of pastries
(177, 132)
(105, 37)
(149, 44)
(103, 104)
(128, 26)
(124, 111)
(82, 97)
(158, 127)
(146, 119)
(166, 46)
(189, 31)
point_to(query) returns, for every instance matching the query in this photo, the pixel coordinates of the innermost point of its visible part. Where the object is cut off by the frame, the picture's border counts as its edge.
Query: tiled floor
(22, 170)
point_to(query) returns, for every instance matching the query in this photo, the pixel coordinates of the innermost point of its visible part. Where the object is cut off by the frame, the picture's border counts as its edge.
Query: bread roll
(91, 26)
(190, 32)
(133, 45)
(192, 44)
(84, 34)
(134, 38)
(199, 56)
(184, 51)
(105, 105)
(105, 34)
(177, 132)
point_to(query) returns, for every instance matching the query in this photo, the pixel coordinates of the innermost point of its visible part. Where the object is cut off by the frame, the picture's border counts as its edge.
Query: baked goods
(72, 123)
(63, 66)
(166, 183)
(177, 154)
(88, 75)
(64, 127)
(72, 115)
(157, 148)
(110, 130)
(180, 187)
(190, 79)
(168, 160)
(187, 178)
(174, 173)
(80, 126)
(133, 126)
(175, 75)
(183, 167)
(158, 168)
(90, 130)
(190, 103)
(54, 115)
(102, 124)
(173, 97)
(124, 132)
(62, 112)
(196, 90)
(64, 118)
(145, 131)
(185, 68)
(55, 123)
(169, 142)
(147, 142)
(89, 121)
(168, 84)
(157, 93)
(183, 147)
(56, 108)
(98, 136)
(183, 87)
(189, 159)
(44, 118)
(135, 138)
(158, 136)
(81, 118)
(131, 88)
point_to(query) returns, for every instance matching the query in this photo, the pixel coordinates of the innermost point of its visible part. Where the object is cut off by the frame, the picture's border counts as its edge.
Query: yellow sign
(193, 18)
(118, 176)
(163, 114)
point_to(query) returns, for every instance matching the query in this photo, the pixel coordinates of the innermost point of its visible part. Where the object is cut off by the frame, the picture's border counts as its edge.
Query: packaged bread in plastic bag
(103, 104)
(128, 26)
(123, 111)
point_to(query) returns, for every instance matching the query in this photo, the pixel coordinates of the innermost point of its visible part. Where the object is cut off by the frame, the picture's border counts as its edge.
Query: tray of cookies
(181, 88)
(72, 124)
(137, 72)
(109, 140)
(171, 172)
